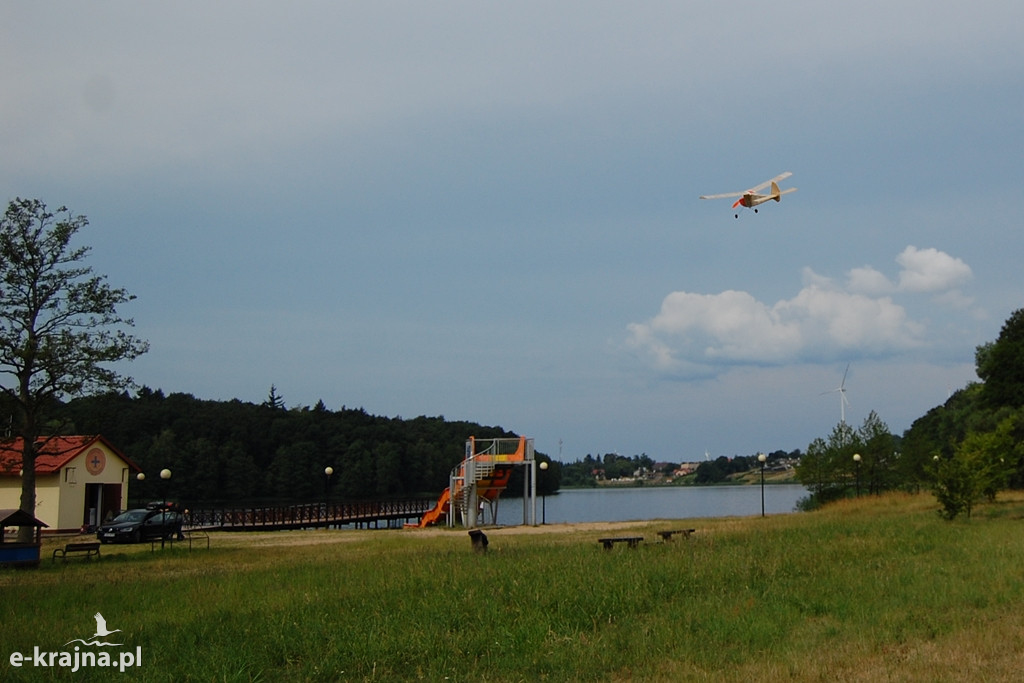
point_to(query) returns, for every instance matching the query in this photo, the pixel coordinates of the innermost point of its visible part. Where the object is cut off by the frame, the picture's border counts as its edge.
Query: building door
(111, 504)
(102, 502)
(91, 514)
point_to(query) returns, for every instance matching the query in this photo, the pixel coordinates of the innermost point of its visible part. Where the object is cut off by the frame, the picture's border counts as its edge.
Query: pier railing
(307, 515)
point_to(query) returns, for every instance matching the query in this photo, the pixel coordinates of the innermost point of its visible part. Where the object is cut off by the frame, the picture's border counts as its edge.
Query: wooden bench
(667, 535)
(632, 541)
(77, 549)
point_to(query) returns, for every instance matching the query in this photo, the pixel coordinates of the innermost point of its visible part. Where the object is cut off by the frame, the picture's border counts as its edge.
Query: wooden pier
(309, 515)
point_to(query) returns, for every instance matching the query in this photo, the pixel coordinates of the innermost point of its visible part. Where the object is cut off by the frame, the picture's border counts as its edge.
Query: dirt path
(329, 536)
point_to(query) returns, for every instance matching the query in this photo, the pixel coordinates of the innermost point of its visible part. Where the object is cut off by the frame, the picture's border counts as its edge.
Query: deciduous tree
(1000, 364)
(59, 325)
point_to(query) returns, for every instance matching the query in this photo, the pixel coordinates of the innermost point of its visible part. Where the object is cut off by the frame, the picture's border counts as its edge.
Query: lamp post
(328, 471)
(543, 497)
(856, 464)
(140, 477)
(762, 458)
(165, 474)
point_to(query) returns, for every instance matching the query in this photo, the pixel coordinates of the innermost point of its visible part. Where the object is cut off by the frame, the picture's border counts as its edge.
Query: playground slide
(489, 483)
(488, 489)
(438, 511)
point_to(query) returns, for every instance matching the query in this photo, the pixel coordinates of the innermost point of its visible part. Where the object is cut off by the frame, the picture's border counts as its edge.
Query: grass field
(865, 590)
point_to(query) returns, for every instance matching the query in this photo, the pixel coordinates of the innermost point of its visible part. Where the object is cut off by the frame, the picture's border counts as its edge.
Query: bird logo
(101, 632)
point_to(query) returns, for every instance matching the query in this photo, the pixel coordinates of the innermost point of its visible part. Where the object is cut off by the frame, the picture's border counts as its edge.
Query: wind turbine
(841, 389)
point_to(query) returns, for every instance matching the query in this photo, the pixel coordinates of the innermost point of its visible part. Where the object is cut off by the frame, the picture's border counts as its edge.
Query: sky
(489, 211)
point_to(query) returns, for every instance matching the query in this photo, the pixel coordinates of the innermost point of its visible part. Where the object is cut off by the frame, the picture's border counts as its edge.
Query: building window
(69, 476)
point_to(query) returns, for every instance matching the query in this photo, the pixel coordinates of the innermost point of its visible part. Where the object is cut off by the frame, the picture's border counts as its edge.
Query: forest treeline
(233, 451)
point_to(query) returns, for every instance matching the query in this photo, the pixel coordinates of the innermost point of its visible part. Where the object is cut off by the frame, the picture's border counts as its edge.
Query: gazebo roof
(19, 518)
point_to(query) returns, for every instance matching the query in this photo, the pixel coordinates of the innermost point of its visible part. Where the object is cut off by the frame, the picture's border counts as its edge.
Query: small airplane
(751, 198)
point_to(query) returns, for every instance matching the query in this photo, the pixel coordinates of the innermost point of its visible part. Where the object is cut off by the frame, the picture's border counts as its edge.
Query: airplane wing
(781, 176)
(721, 196)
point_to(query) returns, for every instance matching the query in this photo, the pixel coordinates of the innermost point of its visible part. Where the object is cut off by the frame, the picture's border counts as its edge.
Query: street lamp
(856, 464)
(328, 471)
(543, 497)
(165, 474)
(762, 458)
(140, 477)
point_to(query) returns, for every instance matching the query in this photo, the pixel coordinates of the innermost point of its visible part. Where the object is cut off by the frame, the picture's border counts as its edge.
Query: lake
(654, 502)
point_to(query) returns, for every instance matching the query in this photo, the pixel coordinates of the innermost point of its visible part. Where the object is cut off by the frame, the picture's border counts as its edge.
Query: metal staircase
(468, 478)
(484, 475)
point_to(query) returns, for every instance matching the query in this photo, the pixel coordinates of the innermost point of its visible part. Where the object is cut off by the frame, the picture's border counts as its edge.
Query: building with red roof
(80, 480)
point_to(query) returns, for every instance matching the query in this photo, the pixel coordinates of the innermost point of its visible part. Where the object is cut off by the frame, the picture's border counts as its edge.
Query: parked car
(156, 520)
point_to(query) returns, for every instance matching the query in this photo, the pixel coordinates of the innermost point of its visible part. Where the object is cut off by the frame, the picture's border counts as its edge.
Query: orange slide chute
(491, 487)
(439, 510)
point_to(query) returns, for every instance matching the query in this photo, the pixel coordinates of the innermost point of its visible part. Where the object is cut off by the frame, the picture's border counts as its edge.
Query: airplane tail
(776, 195)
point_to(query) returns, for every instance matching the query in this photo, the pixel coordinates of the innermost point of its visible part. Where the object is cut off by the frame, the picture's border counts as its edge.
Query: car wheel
(137, 536)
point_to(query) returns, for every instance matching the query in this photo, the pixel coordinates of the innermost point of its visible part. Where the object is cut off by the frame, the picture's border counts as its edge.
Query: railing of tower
(481, 457)
(461, 485)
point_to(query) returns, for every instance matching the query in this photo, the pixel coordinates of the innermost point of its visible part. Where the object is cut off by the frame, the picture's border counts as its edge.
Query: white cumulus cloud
(868, 281)
(928, 271)
(696, 333)
(931, 270)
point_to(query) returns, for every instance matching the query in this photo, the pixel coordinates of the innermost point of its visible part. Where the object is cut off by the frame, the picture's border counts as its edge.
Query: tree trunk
(26, 534)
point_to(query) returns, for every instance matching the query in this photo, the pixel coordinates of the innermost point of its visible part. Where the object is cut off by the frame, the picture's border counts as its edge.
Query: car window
(157, 519)
(129, 516)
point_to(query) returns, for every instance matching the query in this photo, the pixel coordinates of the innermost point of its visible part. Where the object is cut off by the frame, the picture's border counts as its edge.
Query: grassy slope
(872, 589)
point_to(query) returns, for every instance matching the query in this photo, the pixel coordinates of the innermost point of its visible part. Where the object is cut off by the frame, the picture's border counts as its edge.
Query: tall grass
(871, 589)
